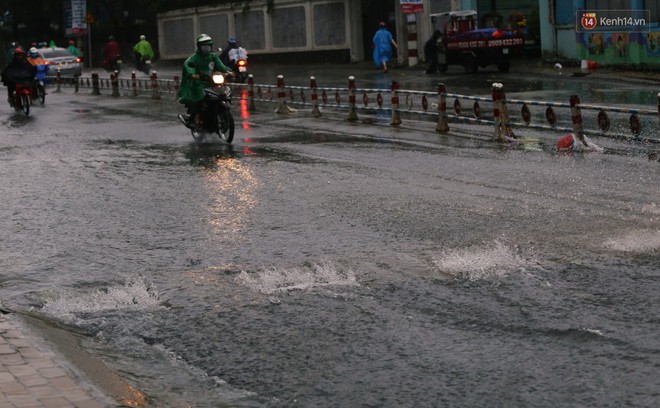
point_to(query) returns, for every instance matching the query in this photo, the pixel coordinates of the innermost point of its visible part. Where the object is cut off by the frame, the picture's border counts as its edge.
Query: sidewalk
(32, 375)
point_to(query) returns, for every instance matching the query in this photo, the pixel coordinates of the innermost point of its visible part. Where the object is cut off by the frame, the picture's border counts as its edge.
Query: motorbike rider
(35, 59)
(73, 49)
(19, 70)
(224, 55)
(143, 51)
(110, 51)
(198, 66)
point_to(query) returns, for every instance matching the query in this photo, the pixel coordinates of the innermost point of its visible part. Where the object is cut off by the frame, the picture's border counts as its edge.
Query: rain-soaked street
(322, 263)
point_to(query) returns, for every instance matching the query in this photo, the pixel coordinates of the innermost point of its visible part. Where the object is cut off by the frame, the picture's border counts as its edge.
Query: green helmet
(204, 39)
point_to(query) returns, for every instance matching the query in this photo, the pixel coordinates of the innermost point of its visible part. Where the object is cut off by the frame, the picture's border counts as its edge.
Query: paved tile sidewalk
(31, 375)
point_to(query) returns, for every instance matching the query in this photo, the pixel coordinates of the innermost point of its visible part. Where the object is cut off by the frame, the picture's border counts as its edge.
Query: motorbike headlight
(218, 79)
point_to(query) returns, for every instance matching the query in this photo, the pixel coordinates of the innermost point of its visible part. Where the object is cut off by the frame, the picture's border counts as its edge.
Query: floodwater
(319, 268)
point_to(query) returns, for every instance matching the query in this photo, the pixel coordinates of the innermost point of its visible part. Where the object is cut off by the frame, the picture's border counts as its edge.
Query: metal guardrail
(394, 103)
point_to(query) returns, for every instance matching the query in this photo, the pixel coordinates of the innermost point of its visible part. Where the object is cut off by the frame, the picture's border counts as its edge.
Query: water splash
(637, 241)
(475, 263)
(134, 294)
(272, 280)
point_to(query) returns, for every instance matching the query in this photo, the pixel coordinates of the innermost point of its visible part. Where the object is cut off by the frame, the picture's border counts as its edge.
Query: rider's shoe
(186, 121)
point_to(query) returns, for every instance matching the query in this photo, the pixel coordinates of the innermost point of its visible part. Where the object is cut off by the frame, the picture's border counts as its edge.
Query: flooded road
(332, 264)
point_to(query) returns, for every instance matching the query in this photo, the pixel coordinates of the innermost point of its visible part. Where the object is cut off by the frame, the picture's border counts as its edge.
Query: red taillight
(77, 60)
(241, 63)
(47, 62)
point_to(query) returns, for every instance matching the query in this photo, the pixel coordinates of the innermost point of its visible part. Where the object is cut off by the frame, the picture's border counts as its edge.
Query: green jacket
(143, 47)
(73, 50)
(191, 90)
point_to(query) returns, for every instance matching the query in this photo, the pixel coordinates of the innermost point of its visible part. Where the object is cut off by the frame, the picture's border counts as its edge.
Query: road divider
(628, 123)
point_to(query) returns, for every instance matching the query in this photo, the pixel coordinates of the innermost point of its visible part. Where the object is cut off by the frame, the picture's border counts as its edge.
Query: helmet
(33, 50)
(71, 42)
(143, 37)
(204, 39)
(18, 50)
(232, 40)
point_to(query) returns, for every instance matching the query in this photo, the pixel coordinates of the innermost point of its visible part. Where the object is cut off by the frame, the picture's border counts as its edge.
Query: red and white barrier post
(443, 126)
(96, 88)
(282, 107)
(501, 114)
(177, 85)
(251, 106)
(576, 115)
(315, 98)
(412, 39)
(133, 84)
(352, 114)
(155, 94)
(58, 80)
(396, 119)
(114, 83)
(658, 105)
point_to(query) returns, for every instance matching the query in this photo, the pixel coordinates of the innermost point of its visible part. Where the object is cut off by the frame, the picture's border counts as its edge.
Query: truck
(462, 43)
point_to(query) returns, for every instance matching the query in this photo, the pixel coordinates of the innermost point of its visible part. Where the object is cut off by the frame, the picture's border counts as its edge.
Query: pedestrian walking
(382, 44)
(431, 52)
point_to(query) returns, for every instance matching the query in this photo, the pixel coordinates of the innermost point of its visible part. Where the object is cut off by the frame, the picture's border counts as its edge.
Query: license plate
(242, 69)
(119, 61)
(505, 51)
(147, 61)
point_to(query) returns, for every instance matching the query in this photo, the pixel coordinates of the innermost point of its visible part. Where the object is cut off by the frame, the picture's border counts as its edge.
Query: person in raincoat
(142, 51)
(383, 43)
(199, 65)
(73, 49)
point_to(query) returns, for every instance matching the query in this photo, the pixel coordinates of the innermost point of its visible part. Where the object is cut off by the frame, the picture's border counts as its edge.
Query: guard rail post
(58, 80)
(658, 105)
(133, 84)
(76, 80)
(251, 106)
(282, 107)
(497, 118)
(114, 81)
(396, 119)
(352, 115)
(443, 126)
(155, 94)
(176, 87)
(576, 115)
(504, 115)
(96, 89)
(315, 98)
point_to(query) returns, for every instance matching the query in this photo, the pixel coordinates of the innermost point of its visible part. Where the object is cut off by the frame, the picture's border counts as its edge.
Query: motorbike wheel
(25, 104)
(226, 126)
(41, 94)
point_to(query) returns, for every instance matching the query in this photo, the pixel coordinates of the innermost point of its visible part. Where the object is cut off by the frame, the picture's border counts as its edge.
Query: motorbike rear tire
(226, 125)
(25, 104)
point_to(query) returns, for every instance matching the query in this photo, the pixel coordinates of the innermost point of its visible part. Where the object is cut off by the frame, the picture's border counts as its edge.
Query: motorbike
(39, 85)
(114, 64)
(22, 98)
(240, 68)
(216, 116)
(143, 64)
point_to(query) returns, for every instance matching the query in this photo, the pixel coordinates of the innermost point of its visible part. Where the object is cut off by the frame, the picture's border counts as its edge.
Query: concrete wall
(290, 26)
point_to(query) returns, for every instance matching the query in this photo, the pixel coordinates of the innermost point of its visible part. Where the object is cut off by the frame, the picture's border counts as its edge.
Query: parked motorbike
(22, 98)
(216, 116)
